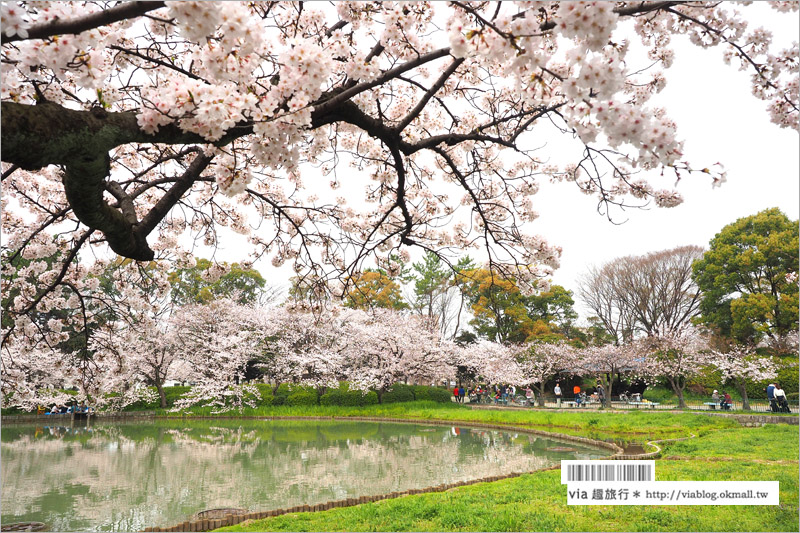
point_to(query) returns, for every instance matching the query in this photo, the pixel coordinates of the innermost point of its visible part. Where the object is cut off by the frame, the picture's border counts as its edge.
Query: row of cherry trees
(212, 345)
(143, 128)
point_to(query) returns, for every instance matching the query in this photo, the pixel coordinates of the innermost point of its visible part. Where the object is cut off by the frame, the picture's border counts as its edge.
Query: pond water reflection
(127, 476)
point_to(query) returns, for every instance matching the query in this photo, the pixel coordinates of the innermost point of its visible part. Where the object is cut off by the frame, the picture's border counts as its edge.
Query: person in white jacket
(780, 398)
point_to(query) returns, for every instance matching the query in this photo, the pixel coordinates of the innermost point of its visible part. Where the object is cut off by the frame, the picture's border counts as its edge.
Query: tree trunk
(740, 384)
(540, 399)
(675, 384)
(162, 396)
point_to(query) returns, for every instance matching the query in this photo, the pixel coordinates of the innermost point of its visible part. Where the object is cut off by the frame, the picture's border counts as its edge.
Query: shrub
(280, 395)
(398, 393)
(343, 396)
(434, 394)
(173, 394)
(302, 396)
(266, 395)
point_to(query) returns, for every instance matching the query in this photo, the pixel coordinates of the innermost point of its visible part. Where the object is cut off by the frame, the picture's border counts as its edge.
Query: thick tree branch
(122, 11)
(124, 200)
(183, 184)
(35, 136)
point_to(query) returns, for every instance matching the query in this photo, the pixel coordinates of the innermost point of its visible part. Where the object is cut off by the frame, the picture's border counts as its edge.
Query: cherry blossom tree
(606, 361)
(740, 365)
(145, 350)
(55, 345)
(493, 361)
(676, 357)
(30, 377)
(302, 346)
(144, 127)
(386, 347)
(541, 362)
(216, 341)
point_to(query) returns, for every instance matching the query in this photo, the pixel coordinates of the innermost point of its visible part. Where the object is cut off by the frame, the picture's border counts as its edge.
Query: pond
(127, 476)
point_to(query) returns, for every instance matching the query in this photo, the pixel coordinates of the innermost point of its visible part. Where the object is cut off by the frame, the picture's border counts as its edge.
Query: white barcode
(592, 471)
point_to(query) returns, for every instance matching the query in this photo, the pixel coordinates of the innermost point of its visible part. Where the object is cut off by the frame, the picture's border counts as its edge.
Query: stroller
(783, 405)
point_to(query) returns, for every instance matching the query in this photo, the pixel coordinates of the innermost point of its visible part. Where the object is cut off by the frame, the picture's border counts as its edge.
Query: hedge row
(302, 395)
(346, 397)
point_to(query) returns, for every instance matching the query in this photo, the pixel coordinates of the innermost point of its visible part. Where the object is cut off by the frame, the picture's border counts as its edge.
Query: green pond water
(127, 476)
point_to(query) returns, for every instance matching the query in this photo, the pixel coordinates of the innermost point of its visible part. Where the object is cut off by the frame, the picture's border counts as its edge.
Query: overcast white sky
(719, 120)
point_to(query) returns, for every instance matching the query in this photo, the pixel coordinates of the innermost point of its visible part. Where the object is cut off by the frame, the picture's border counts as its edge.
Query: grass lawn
(537, 502)
(628, 426)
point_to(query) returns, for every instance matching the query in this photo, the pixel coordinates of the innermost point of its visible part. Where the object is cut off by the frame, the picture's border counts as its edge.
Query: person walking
(601, 394)
(529, 395)
(461, 394)
(557, 392)
(455, 393)
(773, 405)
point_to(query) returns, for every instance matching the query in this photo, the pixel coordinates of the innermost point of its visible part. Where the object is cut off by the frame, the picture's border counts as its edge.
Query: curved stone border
(657, 452)
(229, 520)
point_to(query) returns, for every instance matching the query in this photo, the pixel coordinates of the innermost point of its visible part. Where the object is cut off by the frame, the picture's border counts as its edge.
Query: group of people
(777, 399)
(503, 393)
(579, 396)
(64, 409)
(725, 401)
(487, 393)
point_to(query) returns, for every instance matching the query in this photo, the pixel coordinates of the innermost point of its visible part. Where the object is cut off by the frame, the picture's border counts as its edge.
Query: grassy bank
(537, 502)
(628, 426)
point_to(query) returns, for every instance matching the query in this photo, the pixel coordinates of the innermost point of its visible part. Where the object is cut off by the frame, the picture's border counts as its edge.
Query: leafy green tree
(431, 284)
(374, 288)
(748, 278)
(498, 307)
(439, 292)
(197, 284)
(555, 308)
(461, 283)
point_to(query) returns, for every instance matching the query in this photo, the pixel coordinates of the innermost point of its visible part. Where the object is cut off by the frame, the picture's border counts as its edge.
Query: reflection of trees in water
(155, 474)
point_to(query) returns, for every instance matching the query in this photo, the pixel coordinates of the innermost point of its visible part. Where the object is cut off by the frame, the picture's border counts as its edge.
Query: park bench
(652, 405)
(711, 405)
